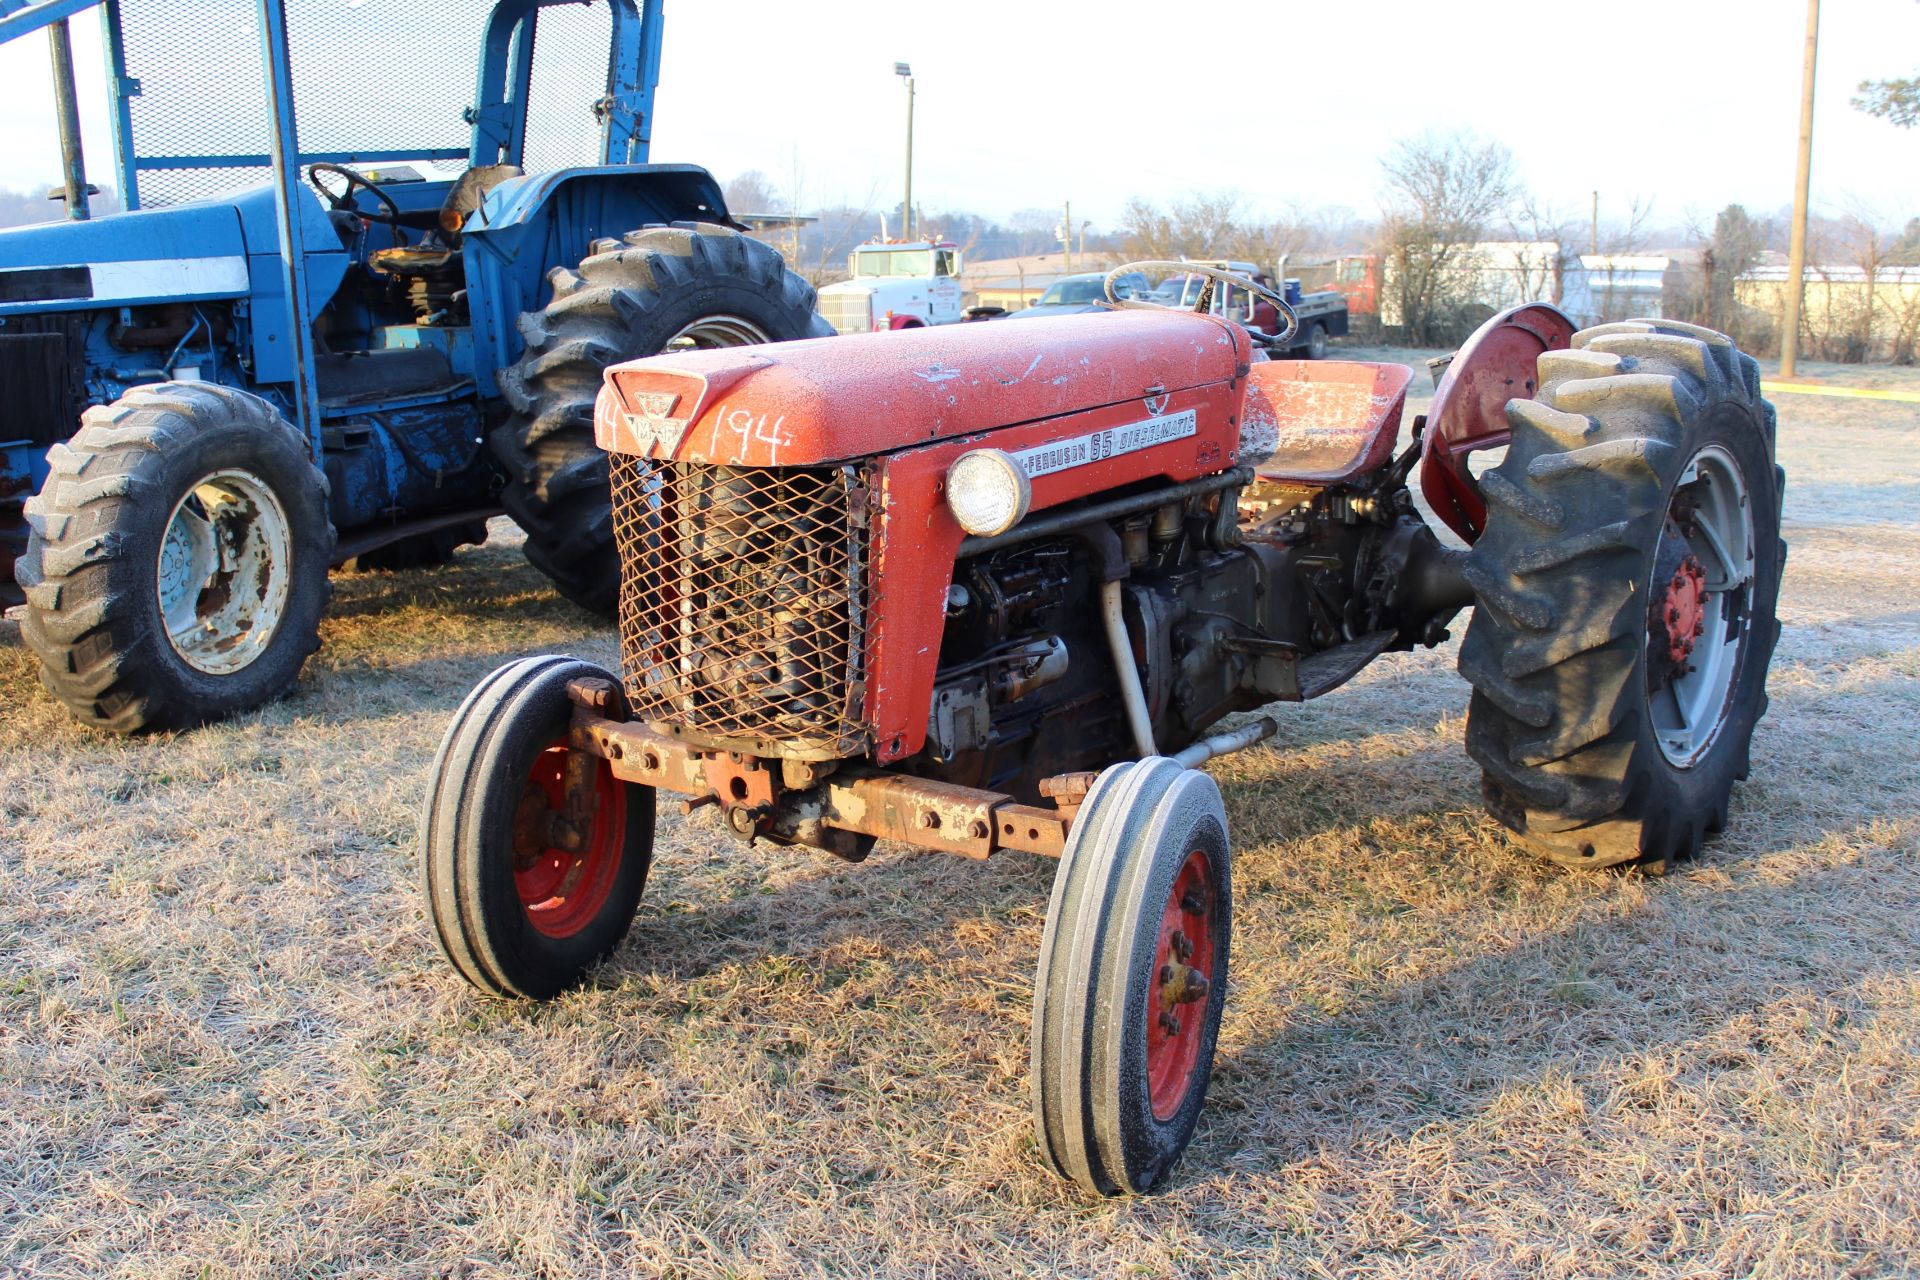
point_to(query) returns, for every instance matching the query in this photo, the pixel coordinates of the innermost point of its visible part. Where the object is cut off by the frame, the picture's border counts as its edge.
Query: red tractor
(998, 587)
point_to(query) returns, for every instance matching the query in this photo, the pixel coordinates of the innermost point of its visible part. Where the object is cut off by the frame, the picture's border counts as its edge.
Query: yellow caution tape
(1861, 393)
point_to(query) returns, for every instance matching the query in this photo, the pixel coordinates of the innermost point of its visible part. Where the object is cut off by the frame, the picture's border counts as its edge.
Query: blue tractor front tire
(176, 562)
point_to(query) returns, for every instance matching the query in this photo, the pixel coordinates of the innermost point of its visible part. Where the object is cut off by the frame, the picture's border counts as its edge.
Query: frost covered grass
(228, 1046)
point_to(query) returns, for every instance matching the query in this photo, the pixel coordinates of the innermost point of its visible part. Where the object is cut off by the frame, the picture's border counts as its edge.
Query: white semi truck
(896, 286)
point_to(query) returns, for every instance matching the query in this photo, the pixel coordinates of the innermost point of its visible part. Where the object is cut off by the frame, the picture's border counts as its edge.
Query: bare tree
(1212, 225)
(1532, 222)
(1443, 190)
(1868, 249)
(753, 192)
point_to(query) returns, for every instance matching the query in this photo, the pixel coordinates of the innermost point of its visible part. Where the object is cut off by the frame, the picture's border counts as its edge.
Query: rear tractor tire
(1132, 978)
(176, 562)
(534, 855)
(689, 286)
(1626, 586)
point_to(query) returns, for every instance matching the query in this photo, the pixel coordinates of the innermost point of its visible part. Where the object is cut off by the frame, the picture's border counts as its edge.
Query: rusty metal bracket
(859, 799)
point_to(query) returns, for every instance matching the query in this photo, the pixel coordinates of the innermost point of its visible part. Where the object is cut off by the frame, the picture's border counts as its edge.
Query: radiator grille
(847, 312)
(743, 607)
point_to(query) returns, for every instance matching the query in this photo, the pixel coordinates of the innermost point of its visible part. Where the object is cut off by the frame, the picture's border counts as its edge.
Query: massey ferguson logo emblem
(649, 423)
(1097, 446)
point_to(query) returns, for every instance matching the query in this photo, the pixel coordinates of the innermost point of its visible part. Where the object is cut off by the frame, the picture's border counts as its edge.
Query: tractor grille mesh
(374, 77)
(743, 609)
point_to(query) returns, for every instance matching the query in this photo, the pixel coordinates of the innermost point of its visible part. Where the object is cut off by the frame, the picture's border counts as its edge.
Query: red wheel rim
(1683, 610)
(563, 889)
(1182, 977)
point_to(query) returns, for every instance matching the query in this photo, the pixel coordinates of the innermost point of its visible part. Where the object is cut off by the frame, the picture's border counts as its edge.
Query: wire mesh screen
(743, 609)
(571, 54)
(377, 76)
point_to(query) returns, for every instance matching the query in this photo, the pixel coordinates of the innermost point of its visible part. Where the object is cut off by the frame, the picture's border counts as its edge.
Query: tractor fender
(527, 226)
(1469, 409)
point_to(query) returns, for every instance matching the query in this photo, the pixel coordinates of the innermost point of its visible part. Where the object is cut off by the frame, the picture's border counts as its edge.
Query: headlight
(987, 492)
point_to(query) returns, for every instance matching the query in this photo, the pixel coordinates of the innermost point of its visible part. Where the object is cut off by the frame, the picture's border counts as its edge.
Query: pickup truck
(1322, 315)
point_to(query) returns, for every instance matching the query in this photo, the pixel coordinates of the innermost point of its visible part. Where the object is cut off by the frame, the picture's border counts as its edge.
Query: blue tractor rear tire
(692, 284)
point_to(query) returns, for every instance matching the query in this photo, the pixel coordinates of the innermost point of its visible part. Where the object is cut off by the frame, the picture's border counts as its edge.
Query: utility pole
(73, 165)
(1593, 240)
(1066, 235)
(1797, 244)
(905, 72)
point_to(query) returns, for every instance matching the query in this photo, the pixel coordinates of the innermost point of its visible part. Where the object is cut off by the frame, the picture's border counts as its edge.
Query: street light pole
(905, 72)
(1797, 242)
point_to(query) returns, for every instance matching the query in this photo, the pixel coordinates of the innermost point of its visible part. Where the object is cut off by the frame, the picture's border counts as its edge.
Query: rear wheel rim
(224, 571)
(1701, 597)
(1182, 953)
(717, 331)
(562, 890)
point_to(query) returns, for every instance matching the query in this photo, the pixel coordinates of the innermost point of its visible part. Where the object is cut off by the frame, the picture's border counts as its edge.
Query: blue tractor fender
(527, 226)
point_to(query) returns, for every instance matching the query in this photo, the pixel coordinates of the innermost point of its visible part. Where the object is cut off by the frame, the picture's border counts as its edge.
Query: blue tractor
(335, 326)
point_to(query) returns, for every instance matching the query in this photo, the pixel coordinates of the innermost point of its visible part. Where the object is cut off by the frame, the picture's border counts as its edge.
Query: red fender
(906, 322)
(1469, 410)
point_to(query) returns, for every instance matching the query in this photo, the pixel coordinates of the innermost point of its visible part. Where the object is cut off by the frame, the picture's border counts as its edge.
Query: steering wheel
(1204, 303)
(341, 203)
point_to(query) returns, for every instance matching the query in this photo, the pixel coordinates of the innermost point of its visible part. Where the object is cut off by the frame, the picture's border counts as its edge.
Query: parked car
(1071, 295)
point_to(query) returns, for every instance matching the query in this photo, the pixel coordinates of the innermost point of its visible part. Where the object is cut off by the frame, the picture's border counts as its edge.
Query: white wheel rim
(224, 571)
(717, 331)
(1689, 708)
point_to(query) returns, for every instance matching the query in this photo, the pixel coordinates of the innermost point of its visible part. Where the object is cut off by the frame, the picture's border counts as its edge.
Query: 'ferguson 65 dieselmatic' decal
(1096, 446)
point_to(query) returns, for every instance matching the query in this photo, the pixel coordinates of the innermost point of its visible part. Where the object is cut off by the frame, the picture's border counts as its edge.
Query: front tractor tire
(1132, 979)
(534, 855)
(1626, 587)
(689, 286)
(176, 562)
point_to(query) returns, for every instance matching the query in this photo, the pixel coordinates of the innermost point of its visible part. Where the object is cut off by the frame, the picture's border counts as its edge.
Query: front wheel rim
(1183, 976)
(1700, 593)
(224, 571)
(564, 869)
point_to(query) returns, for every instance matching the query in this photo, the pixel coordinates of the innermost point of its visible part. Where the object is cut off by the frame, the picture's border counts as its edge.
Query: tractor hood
(154, 255)
(830, 400)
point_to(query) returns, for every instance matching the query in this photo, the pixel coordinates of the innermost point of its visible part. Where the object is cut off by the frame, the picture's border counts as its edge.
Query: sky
(1687, 105)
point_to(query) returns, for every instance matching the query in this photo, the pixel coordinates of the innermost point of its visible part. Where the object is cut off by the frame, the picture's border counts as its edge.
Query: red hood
(833, 399)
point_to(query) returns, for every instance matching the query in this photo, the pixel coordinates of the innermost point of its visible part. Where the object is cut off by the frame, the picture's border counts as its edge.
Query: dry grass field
(228, 1046)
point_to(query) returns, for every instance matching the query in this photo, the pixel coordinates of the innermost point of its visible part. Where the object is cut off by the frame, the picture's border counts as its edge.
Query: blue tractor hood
(182, 253)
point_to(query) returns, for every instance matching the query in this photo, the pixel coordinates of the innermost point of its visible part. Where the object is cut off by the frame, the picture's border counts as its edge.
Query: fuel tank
(829, 400)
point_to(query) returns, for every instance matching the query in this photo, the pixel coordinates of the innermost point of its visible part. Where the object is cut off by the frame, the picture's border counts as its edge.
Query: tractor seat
(439, 252)
(1318, 422)
(467, 194)
(413, 261)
